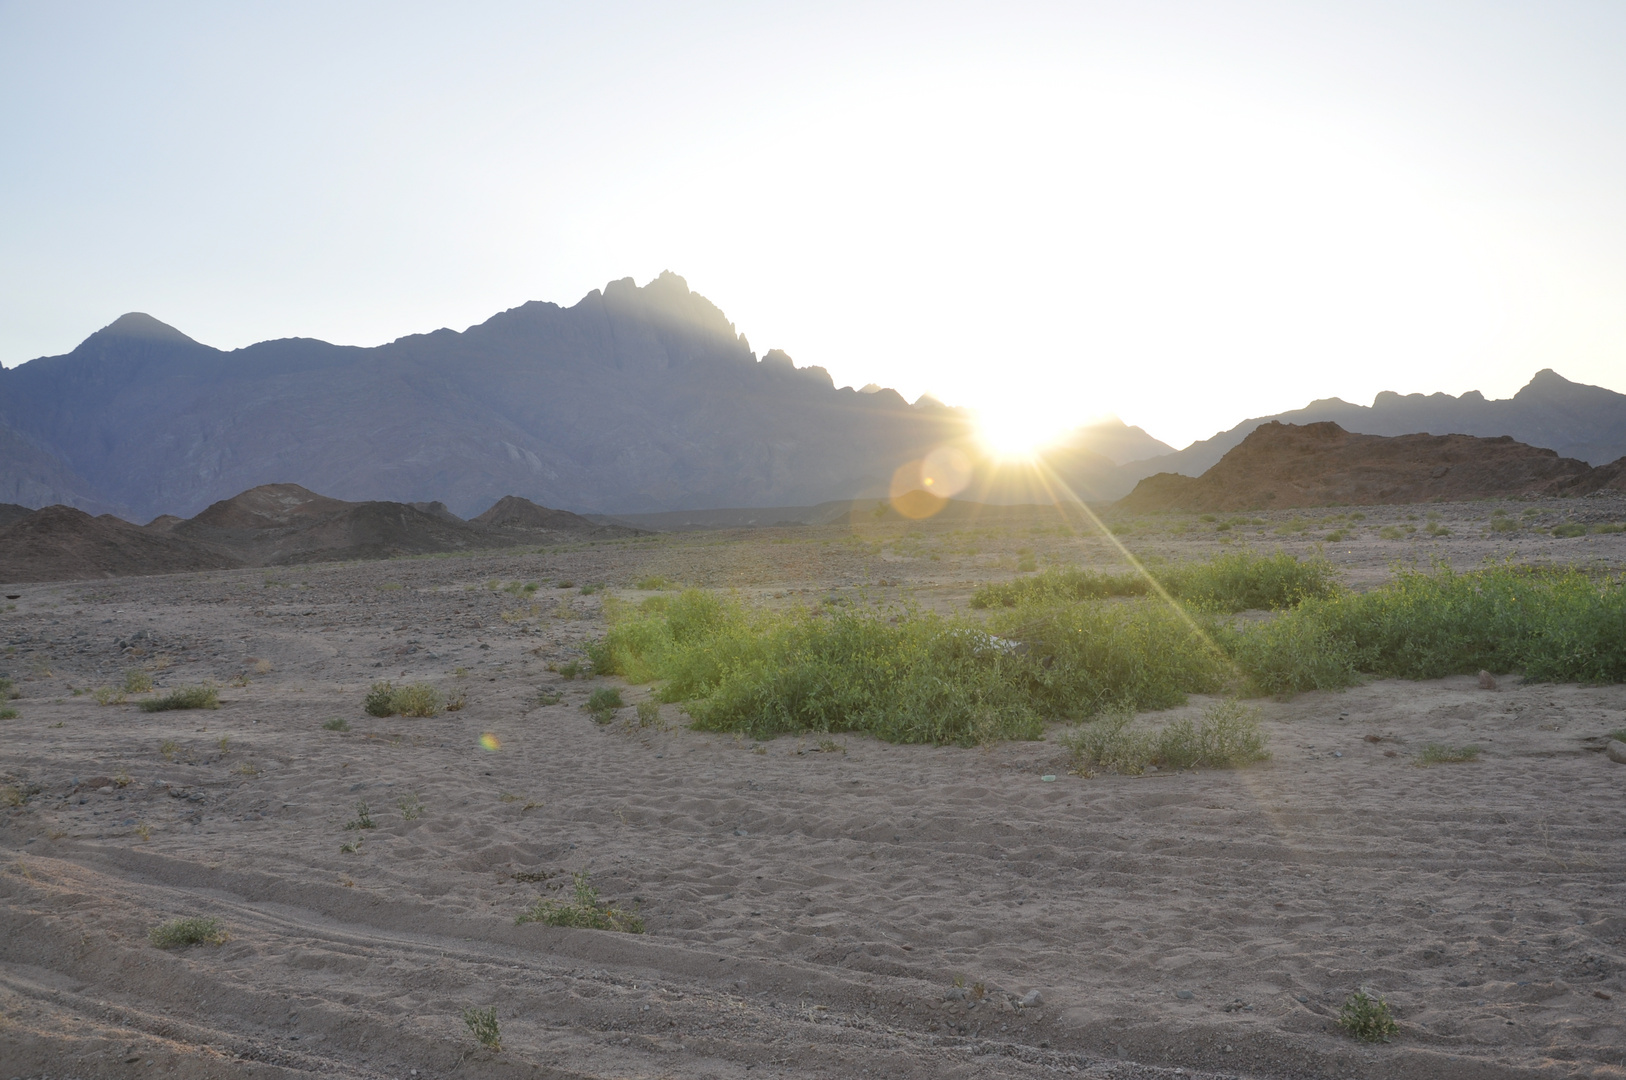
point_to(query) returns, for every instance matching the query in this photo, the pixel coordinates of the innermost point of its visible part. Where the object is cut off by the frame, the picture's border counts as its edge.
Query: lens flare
(488, 741)
(945, 471)
(921, 488)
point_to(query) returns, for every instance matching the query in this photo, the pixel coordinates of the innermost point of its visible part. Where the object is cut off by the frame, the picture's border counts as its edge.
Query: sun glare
(1013, 436)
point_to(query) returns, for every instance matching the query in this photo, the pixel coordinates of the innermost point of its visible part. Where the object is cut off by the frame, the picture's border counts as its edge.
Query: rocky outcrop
(272, 525)
(1288, 465)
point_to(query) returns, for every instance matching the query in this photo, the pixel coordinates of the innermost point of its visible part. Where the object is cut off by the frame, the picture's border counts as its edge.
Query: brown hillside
(271, 525)
(60, 543)
(269, 506)
(1284, 465)
(514, 513)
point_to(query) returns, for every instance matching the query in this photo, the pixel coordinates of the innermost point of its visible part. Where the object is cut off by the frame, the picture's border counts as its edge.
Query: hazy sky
(1183, 214)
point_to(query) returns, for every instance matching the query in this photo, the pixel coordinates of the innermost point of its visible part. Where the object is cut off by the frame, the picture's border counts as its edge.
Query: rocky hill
(1578, 421)
(271, 525)
(1287, 465)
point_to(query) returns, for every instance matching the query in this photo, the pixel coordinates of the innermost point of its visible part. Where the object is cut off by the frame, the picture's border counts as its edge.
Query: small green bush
(338, 723)
(137, 681)
(363, 818)
(1504, 524)
(178, 933)
(1441, 754)
(1227, 736)
(414, 699)
(1367, 1018)
(417, 699)
(603, 703)
(584, 911)
(1569, 529)
(483, 1026)
(653, 583)
(185, 697)
(111, 695)
(7, 712)
(380, 700)
(1237, 581)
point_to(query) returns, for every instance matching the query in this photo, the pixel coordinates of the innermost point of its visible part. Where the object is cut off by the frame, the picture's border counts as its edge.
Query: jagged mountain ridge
(632, 399)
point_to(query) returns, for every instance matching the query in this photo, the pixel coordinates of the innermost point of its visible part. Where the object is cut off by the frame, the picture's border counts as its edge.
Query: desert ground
(814, 908)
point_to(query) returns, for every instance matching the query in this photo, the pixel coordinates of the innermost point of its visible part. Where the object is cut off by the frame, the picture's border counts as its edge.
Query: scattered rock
(1184, 995)
(1487, 681)
(1616, 751)
(1031, 1000)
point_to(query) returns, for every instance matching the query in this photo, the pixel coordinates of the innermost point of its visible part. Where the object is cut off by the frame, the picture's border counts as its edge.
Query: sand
(809, 910)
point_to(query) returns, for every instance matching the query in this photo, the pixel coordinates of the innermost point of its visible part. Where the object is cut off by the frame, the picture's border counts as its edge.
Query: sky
(1181, 214)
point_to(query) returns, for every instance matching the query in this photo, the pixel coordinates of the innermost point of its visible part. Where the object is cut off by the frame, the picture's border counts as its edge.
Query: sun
(1013, 435)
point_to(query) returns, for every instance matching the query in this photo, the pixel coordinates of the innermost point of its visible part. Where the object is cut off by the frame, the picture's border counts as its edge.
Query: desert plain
(813, 907)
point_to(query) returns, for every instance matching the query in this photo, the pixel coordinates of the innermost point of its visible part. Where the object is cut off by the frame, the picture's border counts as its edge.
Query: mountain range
(634, 400)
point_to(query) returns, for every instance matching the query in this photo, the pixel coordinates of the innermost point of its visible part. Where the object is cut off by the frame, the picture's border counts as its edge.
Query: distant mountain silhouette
(1286, 465)
(634, 400)
(1587, 423)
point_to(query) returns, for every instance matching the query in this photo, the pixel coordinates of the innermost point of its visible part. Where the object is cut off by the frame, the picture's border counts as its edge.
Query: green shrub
(916, 678)
(137, 681)
(603, 703)
(1441, 754)
(1227, 736)
(380, 700)
(1083, 658)
(909, 676)
(1551, 625)
(338, 723)
(1569, 529)
(7, 712)
(110, 695)
(653, 583)
(363, 818)
(1504, 524)
(583, 911)
(482, 1025)
(186, 697)
(178, 933)
(1236, 581)
(415, 699)
(1367, 1018)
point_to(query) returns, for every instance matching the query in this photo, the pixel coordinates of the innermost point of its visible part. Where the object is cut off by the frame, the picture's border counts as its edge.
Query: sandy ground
(809, 910)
